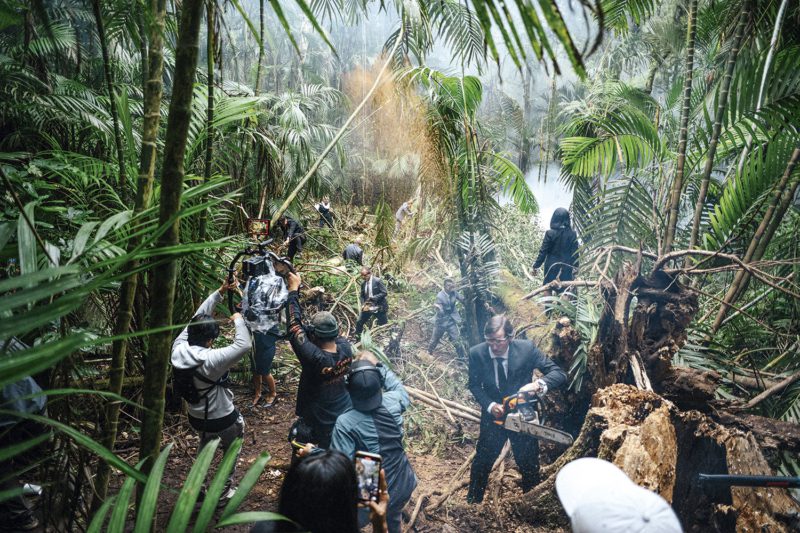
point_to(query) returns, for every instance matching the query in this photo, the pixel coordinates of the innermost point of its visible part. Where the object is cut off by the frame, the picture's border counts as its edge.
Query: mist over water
(550, 195)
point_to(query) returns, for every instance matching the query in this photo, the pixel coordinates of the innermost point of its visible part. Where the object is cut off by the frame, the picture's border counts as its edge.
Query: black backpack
(183, 384)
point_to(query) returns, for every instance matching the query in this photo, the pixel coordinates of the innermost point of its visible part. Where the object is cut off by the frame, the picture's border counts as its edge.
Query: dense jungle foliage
(137, 137)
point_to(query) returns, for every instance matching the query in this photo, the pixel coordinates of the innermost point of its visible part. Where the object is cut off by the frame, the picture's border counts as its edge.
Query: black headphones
(347, 378)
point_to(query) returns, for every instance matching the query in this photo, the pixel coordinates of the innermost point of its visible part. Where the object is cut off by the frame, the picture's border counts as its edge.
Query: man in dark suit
(501, 367)
(373, 301)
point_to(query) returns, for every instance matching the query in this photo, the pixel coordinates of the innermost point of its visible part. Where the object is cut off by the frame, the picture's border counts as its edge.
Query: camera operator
(325, 358)
(214, 415)
(375, 425)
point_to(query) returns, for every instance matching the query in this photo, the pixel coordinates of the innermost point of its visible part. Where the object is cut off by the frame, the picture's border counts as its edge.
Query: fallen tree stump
(664, 449)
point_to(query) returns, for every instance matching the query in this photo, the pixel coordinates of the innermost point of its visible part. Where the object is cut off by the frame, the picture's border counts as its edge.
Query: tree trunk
(147, 165)
(722, 105)
(664, 449)
(165, 272)
(257, 86)
(677, 184)
(781, 200)
(211, 49)
(112, 99)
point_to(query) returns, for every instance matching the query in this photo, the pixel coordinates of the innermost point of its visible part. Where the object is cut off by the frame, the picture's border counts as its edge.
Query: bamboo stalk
(301, 185)
(450, 403)
(164, 274)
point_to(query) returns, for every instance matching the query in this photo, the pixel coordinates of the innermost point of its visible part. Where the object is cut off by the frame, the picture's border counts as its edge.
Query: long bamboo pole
(677, 183)
(165, 272)
(153, 89)
(282, 209)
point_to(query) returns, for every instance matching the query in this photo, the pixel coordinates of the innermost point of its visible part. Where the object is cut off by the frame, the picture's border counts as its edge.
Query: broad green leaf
(6, 230)
(148, 503)
(111, 224)
(17, 365)
(82, 237)
(96, 526)
(246, 484)
(16, 449)
(26, 241)
(250, 517)
(217, 485)
(116, 523)
(10, 493)
(191, 488)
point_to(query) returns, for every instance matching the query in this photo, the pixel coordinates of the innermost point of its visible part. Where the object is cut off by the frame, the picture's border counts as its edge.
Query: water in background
(550, 195)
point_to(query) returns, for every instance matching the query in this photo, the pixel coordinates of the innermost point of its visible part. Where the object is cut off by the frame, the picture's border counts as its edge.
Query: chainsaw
(523, 414)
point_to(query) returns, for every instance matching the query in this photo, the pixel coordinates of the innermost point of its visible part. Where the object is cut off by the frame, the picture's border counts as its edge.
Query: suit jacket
(523, 358)
(378, 293)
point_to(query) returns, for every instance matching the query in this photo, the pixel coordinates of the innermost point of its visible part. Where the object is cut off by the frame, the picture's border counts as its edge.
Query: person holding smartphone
(501, 367)
(372, 431)
(319, 495)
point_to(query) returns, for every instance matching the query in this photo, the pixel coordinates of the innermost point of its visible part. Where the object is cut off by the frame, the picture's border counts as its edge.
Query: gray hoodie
(215, 362)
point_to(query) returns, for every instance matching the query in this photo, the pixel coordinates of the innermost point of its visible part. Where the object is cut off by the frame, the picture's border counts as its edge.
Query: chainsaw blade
(514, 422)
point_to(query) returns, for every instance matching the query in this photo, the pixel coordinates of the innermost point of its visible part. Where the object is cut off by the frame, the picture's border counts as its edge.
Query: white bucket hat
(598, 497)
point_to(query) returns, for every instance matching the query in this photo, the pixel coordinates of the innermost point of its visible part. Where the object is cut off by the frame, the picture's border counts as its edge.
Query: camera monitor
(258, 228)
(368, 471)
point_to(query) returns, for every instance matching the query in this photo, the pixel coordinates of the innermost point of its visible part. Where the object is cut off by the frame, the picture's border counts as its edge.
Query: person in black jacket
(373, 301)
(559, 251)
(294, 234)
(501, 367)
(325, 358)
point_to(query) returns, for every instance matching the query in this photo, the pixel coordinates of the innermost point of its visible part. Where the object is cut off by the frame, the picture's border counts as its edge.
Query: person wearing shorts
(263, 355)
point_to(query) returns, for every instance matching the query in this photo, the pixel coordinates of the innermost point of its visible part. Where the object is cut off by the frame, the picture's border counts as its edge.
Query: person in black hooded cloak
(559, 251)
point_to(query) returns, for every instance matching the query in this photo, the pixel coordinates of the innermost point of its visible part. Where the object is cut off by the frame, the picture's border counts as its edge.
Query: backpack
(183, 384)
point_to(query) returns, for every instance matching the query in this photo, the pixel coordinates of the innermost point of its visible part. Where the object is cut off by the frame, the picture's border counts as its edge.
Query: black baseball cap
(365, 386)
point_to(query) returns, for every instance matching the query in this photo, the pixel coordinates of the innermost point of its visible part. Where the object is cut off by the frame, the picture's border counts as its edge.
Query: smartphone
(368, 473)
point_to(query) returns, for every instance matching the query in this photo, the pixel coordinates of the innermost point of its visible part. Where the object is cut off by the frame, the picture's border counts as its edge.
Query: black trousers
(490, 443)
(366, 318)
(295, 247)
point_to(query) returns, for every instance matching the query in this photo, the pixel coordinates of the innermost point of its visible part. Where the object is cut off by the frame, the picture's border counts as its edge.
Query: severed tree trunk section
(664, 449)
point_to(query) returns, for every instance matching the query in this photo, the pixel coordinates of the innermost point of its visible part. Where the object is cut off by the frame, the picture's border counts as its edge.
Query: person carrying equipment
(402, 214)
(325, 358)
(325, 212)
(200, 376)
(498, 368)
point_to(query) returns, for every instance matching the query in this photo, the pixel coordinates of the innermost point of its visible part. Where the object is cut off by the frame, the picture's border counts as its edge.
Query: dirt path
(435, 446)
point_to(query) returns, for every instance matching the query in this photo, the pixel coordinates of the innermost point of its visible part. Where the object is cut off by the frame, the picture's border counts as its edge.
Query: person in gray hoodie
(215, 415)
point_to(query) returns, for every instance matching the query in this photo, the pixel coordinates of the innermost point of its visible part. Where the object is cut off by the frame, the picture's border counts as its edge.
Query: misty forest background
(137, 137)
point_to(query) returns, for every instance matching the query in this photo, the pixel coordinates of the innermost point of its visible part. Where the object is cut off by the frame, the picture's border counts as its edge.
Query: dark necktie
(501, 375)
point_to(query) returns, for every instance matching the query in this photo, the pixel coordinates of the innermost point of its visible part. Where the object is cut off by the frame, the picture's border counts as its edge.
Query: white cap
(598, 497)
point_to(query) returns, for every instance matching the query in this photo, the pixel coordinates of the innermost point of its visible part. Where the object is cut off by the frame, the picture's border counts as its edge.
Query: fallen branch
(434, 403)
(455, 483)
(450, 403)
(775, 389)
(556, 284)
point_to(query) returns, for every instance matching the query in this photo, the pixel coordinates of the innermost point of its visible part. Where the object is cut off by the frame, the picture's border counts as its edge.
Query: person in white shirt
(402, 214)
